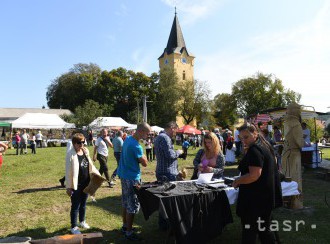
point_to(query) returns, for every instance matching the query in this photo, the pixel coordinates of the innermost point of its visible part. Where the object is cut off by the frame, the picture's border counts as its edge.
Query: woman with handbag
(79, 167)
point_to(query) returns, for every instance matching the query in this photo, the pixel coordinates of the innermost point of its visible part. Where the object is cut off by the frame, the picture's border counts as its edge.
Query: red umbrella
(188, 129)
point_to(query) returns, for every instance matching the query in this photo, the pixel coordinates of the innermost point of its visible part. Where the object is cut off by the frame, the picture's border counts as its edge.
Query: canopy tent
(188, 129)
(114, 122)
(4, 124)
(156, 129)
(307, 112)
(132, 127)
(41, 121)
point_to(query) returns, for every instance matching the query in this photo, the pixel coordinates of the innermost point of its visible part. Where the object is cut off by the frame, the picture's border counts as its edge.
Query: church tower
(176, 56)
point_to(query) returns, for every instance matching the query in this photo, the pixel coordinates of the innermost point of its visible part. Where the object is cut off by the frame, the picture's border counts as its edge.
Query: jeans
(78, 205)
(117, 157)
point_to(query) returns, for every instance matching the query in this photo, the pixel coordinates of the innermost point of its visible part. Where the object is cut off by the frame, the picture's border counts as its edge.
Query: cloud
(300, 57)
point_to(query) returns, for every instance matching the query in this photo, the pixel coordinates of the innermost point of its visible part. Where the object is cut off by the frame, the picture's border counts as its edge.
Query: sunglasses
(80, 142)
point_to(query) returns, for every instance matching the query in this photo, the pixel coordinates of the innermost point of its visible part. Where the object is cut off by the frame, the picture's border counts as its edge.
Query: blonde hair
(215, 149)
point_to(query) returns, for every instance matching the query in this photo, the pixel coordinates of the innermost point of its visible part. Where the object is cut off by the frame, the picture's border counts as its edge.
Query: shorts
(129, 199)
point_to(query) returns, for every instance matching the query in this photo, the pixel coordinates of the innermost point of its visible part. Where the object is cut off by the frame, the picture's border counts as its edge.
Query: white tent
(41, 121)
(132, 127)
(109, 122)
(156, 128)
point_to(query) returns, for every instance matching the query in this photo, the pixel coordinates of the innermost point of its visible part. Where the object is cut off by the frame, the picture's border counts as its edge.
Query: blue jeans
(117, 157)
(78, 205)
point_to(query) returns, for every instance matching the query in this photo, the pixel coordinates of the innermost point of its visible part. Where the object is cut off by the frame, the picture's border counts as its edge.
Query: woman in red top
(3, 148)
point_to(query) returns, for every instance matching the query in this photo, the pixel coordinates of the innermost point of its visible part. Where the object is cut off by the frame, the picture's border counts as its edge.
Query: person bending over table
(209, 159)
(130, 175)
(259, 187)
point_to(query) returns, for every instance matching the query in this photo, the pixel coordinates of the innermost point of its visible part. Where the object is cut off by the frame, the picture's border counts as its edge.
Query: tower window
(183, 75)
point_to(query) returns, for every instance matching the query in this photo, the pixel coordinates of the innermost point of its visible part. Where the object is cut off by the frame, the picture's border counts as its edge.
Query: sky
(231, 40)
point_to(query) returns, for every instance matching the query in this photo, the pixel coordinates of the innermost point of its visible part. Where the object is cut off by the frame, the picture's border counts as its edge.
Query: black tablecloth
(195, 215)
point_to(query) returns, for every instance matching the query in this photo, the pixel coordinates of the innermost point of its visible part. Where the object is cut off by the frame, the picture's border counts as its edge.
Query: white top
(102, 147)
(307, 136)
(39, 136)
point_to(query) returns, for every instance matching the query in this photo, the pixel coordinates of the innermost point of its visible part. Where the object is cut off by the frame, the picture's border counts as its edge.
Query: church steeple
(175, 43)
(176, 37)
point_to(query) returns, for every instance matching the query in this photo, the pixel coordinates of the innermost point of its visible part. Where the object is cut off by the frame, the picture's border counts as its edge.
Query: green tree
(73, 88)
(167, 96)
(261, 92)
(90, 110)
(194, 100)
(224, 109)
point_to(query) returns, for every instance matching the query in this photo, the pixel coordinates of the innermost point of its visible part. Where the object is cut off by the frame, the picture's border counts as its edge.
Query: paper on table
(204, 178)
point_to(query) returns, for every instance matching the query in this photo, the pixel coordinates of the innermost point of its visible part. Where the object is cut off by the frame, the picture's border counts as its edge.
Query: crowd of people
(259, 193)
(249, 146)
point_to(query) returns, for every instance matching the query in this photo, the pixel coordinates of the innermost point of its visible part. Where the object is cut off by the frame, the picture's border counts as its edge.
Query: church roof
(175, 43)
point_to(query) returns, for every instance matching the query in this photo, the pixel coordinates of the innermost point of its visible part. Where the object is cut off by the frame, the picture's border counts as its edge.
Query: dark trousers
(163, 223)
(117, 157)
(103, 160)
(185, 152)
(257, 225)
(39, 142)
(18, 145)
(238, 145)
(149, 154)
(33, 148)
(78, 206)
(153, 153)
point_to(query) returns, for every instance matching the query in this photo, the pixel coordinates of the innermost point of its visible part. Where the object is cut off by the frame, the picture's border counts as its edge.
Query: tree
(193, 100)
(167, 96)
(224, 109)
(261, 92)
(73, 88)
(85, 114)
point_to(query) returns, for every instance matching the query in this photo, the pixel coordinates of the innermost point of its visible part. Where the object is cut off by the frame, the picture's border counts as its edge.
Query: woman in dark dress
(259, 187)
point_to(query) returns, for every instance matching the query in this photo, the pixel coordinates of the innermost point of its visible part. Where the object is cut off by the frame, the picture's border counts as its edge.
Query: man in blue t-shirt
(130, 175)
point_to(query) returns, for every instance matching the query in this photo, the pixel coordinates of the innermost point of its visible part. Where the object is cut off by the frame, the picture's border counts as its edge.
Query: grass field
(33, 203)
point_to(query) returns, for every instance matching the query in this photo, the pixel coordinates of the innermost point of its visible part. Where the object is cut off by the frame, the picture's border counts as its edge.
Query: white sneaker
(75, 230)
(84, 225)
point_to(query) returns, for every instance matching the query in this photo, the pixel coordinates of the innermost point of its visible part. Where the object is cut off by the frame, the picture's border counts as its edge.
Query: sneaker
(124, 229)
(112, 183)
(62, 182)
(84, 225)
(133, 237)
(75, 230)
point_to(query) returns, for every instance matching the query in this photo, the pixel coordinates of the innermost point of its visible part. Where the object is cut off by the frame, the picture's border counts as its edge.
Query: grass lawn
(33, 204)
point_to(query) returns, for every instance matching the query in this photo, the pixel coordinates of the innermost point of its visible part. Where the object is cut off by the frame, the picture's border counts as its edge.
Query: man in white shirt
(101, 153)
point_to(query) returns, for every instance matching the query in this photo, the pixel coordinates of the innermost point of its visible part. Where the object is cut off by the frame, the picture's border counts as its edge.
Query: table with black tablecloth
(196, 214)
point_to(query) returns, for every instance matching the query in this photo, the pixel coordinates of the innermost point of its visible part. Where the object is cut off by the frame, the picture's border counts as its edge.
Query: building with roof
(11, 114)
(177, 56)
